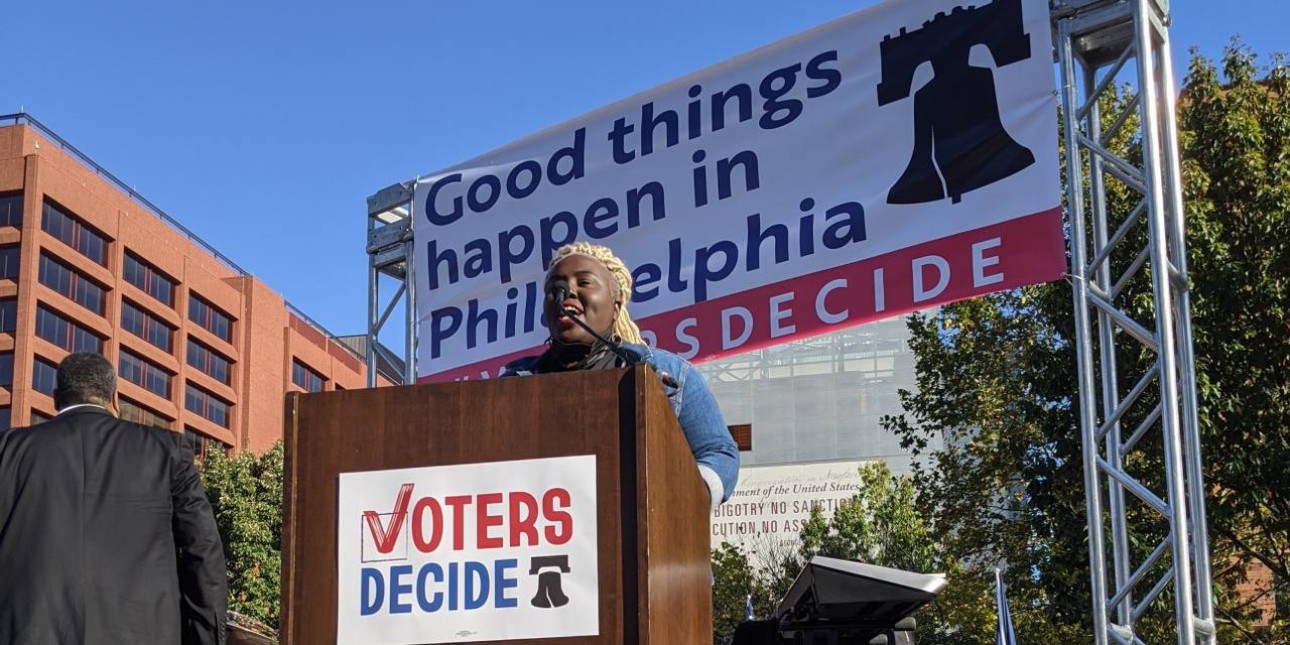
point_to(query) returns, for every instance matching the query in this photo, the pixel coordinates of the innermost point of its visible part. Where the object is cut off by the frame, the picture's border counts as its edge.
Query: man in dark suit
(106, 536)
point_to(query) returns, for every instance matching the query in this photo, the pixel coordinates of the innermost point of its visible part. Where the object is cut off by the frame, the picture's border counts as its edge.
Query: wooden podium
(652, 516)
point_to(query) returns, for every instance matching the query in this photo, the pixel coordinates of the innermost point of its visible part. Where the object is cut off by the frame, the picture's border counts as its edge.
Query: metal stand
(1097, 40)
(390, 254)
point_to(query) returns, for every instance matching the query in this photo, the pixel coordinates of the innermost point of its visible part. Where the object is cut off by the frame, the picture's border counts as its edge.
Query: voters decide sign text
(476, 552)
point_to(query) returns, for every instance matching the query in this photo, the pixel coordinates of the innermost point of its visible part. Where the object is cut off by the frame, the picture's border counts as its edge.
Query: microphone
(560, 292)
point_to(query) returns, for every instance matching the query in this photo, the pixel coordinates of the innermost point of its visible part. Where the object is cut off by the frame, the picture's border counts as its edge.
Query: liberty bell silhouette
(550, 592)
(960, 143)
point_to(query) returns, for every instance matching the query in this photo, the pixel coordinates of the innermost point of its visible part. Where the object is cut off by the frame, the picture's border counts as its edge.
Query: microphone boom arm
(560, 293)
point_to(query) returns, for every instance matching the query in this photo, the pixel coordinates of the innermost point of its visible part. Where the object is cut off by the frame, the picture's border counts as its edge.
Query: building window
(210, 318)
(151, 281)
(74, 233)
(8, 315)
(206, 405)
(5, 418)
(209, 362)
(11, 210)
(131, 411)
(143, 373)
(145, 325)
(203, 445)
(71, 283)
(44, 377)
(9, 256)
(306, 378)
(65, 333)
(6, 369)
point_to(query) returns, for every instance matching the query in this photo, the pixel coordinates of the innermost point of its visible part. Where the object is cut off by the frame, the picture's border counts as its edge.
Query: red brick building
(202, 347)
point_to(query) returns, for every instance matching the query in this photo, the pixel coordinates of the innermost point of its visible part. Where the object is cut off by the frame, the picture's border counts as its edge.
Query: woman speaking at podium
(587, 289)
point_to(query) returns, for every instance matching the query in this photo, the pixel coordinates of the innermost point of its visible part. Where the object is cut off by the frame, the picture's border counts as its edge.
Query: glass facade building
(819, 399)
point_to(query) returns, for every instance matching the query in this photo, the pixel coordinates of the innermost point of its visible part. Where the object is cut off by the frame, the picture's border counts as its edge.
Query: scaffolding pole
(1102, 47)
(391, 259)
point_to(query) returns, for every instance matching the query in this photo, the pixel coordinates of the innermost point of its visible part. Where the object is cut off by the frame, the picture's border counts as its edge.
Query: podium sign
(466, 553)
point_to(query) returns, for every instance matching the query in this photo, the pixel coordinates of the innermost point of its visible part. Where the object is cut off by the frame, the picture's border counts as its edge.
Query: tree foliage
(996, 377)
(880, 524)
(246, 494)
(1236, 152)
(736, 581)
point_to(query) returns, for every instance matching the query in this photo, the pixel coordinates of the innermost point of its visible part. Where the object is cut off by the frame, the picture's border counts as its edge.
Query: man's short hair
(84, 377)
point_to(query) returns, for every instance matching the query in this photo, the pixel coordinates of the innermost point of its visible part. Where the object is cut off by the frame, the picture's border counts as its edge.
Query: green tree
(246, 493)
(734, 580)
(882, 524)
(879, 525)
(1236, 152)
(996, 378)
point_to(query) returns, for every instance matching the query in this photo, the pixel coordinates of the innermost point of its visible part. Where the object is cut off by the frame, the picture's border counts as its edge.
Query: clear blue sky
(263, 126)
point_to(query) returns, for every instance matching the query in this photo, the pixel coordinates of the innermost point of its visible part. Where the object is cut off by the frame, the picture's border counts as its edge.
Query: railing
(313, 323)
(22, 118)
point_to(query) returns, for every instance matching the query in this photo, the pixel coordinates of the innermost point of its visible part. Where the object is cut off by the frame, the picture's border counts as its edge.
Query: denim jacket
(696, 410)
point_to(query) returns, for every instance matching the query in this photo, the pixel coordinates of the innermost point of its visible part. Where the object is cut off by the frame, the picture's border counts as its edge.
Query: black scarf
(568, 358)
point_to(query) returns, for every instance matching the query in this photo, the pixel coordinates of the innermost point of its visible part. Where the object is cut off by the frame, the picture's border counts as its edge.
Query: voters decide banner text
(891, 160)
(474, 552)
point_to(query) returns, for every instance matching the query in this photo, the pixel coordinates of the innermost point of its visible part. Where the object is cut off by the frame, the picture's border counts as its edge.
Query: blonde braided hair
(624, 327)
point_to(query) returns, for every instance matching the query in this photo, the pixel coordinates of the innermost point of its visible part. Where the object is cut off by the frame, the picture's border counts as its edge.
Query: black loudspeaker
(840, 602)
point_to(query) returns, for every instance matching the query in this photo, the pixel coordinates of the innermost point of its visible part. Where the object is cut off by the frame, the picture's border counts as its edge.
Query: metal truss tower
(1100, 44)
(391, 259)
(1136, 362)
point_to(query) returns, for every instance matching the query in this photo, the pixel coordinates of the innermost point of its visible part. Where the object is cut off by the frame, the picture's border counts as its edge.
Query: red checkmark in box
(386, 536)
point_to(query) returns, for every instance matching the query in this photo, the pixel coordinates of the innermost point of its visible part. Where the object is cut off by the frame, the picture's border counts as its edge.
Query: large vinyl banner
(900, 157)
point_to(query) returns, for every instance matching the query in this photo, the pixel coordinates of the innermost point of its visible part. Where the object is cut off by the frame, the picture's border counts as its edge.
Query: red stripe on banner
(1022, 251)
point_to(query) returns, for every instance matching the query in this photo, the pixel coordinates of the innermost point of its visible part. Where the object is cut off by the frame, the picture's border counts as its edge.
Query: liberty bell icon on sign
(550, 591)
(960, 143)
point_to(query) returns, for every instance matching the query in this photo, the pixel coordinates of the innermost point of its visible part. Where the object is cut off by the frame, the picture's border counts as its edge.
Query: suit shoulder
(52, 436)
(41, 431)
